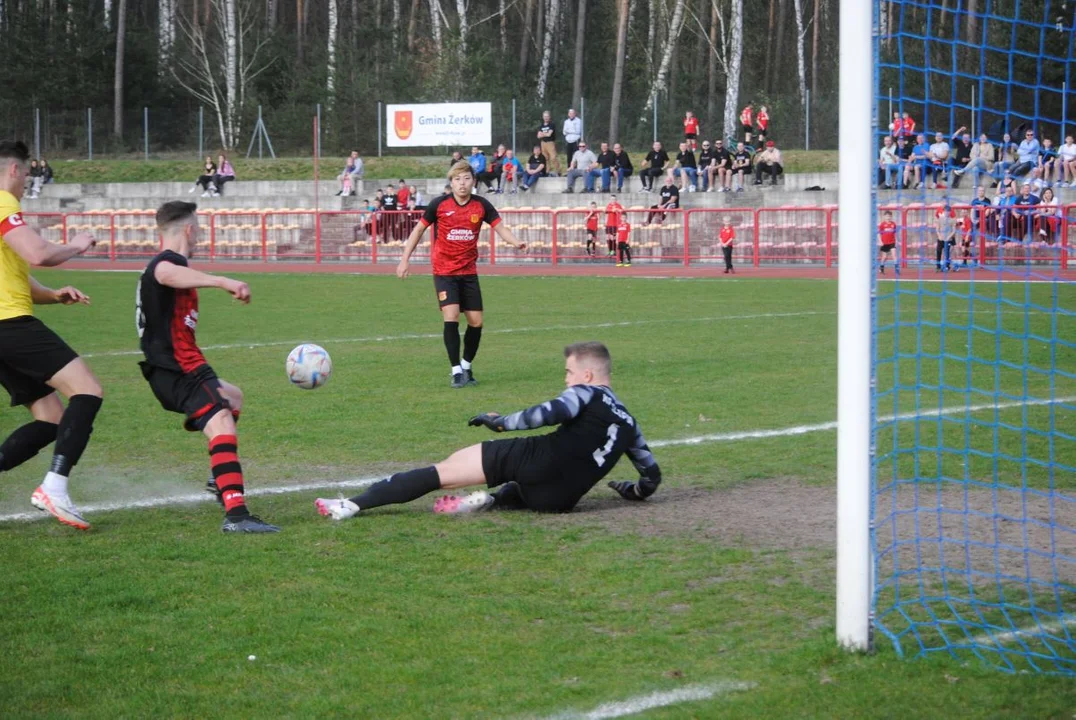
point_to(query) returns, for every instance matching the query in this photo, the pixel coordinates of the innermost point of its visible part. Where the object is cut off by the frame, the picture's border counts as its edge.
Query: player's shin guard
(73, 433)
(452, 342)
(472, 336)
(400, 488)
(228, 473)
(26, 442)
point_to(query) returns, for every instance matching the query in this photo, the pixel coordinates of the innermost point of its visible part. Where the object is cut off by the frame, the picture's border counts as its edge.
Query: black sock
(400, 488)
(452, 342)
(471, 337)
(74, 431)
(26, 442)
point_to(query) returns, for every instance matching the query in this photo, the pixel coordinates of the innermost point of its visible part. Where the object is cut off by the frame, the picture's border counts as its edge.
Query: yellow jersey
(15, 299)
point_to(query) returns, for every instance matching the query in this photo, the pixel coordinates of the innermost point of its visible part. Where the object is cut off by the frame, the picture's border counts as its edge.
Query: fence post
(379, 128)
(317, 237)
(265, 239)
(555, 228)
(317, 138)
(145, 132)
(582, 119)
(829, 239)
(212, 236)
(807, 123)
(757, 212)
(89, 131)
(1064, 241)
(687, 236)
(112, 237)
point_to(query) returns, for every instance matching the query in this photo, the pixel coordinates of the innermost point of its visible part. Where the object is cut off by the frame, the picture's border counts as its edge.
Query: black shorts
(610, 230)
(592, 234)
(747, 129)
(690, 136)
(462, 290)
(889, 247)
(30, 354)
(195, 394)
(530, 463)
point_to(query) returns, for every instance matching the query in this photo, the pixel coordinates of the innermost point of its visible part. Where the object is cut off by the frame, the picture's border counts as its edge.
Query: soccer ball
(309, 366)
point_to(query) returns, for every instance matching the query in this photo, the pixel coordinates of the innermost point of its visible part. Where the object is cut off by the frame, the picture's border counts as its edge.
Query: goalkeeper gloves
(493, 421)
(629, 490)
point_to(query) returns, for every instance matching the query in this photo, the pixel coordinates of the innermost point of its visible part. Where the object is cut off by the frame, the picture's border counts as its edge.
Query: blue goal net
(974, 320)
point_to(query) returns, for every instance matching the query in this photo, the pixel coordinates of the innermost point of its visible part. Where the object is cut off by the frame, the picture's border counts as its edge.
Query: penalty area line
(642, 703)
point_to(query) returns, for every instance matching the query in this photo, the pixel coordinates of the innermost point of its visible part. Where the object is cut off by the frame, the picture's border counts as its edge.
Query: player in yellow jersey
(35, 363)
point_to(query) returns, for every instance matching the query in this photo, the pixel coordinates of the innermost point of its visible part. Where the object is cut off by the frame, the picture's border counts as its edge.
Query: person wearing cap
(768, 161)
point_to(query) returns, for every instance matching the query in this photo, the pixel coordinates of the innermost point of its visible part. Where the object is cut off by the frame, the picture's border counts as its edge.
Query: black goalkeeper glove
(493, 421)
(629, 490)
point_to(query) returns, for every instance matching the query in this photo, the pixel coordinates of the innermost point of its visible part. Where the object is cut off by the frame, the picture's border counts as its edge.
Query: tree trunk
(734, 52)
(618, 72)
(779, 46)
(166, 34)
(395, 26)
(658, 84)
(299, 15)
(972, 22)
(801, 69)
(770, 42)
(651, 36)
(108, 15)
(461, 10)
(711, 68)
(525, 44)
(231, 73)
(353, 32)
(270, 13)
(412, 23)
(435, 26)
(330, 68)
(547, 47)
(117, 80)
(580, 39)
(814, 44)
(502, 10)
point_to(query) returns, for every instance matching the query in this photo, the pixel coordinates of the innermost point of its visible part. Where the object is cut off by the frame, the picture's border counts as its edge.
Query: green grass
(404, 614)
(184, 169)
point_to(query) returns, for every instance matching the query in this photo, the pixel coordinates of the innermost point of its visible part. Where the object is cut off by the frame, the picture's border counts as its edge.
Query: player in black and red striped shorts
(176, 369)
(457, 218)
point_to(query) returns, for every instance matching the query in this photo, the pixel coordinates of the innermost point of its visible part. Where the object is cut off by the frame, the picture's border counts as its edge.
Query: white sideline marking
(1000, 638)
(502, 331)
(635, 705)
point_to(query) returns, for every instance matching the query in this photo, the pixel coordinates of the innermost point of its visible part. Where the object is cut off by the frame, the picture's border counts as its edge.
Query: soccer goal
(957, 377)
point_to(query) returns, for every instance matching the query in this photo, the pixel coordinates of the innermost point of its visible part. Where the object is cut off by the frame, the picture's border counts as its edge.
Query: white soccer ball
(309, 366)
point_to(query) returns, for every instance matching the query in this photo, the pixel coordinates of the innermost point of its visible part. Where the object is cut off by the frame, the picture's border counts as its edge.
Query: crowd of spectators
(40, 175)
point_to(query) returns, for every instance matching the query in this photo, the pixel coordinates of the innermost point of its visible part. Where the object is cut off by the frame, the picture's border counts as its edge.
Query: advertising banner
(456, 124)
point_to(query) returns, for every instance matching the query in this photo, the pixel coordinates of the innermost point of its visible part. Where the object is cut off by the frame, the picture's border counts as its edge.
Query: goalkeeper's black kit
(552, 472)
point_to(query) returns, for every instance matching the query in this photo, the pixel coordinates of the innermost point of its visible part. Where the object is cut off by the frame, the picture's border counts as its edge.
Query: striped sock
(228, 474)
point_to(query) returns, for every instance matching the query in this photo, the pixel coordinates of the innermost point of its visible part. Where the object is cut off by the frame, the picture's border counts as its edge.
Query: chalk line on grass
(642, 703)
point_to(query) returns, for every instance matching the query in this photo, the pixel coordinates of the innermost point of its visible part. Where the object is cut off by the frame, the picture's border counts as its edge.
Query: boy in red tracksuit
(622, 244)
(592, 229)
(728, 234)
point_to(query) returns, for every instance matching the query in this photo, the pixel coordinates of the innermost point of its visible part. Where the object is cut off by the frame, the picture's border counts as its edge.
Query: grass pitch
(726, 576)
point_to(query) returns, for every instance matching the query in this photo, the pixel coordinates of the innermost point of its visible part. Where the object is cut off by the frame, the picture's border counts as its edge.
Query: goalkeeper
(546, 473)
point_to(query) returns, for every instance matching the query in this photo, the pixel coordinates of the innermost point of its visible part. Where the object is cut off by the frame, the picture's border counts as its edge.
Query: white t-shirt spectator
(887, 155)
(584, 159)
(1067, 152)
(940, 151)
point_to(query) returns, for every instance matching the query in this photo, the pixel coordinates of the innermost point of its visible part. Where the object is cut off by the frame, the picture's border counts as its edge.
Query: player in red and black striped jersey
(457, 218)
(178, 374)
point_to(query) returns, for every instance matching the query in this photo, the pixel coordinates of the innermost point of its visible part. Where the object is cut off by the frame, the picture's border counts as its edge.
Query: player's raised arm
(67, 295)
(35, 249)
(181, 277)
(554, 412)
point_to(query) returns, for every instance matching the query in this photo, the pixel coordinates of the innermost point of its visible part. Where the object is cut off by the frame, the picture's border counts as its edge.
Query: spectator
(741, 165)
(1024, 213)
(225, 173)
(572, 131)
(614, 213)
(706, 160)
(747, 121)
(763, 120)
(769, 161)
(720, 167)
(623, 243)
(624, 167)
(535, 168)
(945, 228)
(1066, 158)
(511, 172)
(654, 166)
(939, 160)
(403, 194)
(982, 217)
(961, 157)
(1005, 200)
(888, 164)
(457, 156)
(582, 162)
(46, 172)
(209, 171)
(494, 167)
(887, 239)
(35, 180)
(604, 169)
(896, 129)
(477, 161)
(418, 197)
(909, 124)
(981, 159)
(346, 186)
(372, 220)
(904, 156)
(547, 136)
(390, 219)
(964, 226)
(1006, 155)
(1048, 170)
(728, 235)
(591, 223)
(685, 168)
(1027, 155)
(670, 200)
(691, 131)
(1048, 216)
(920, 160)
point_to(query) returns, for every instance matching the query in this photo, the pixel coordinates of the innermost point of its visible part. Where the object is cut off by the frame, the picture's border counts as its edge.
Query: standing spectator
(511, 171)
(1048, 217)
(769, 161)
(962, 148)
(572, 131)
(887, 239)
(209, 171)
(654, 166)
(624, 167)
(747, 122)
(547, 136)
(741, 165)
(623, 243)
(763, 120)
(582, 162)
(982, 217)
(477, 161)
(706, 160)
(728, 235)
(909, 124)
(945, 229)
(225, 173)
(390, 204)
(1048, 170)
(896, 129)
(904, 156)
(614, 212)
(685, 168)
(888, 164)
(403, 194)
(1027, 155)
(591, 222)
(604, 168)
(721, 167)
(920, 162)
(939, 160)
(535, 168)
(1005, 201)
(980, 160)
(1066, 158)
(670, 200)
(418, 197)
(691, 130)
(964, 227)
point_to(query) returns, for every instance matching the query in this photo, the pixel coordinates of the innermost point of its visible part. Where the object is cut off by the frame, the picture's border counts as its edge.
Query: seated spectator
(494, 167)
(46, 172)
(419, 198)
(1027, 155)
(1048, 217)
(904, 157)
(653, 166)
(980, 160)
(511, 173)
(347, 178)
(1066, 158)
(982, 217)
(961, 157)
(1047, 170)
(477, 161)
(580, 166)
(34, 179)
(939, 160)
(720, 172)
(706, 159)
(1006, 156)
(372, 220)
(741, 165)
(920, 161)
(209, 171)
(225, 173)
(535, 168)
(768, 161)
(457, 156)
(624, 167)
(1023, 215)
(669, 200)
(604, 167)
(888, 164)
(685, 168)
